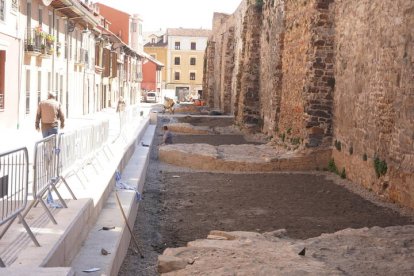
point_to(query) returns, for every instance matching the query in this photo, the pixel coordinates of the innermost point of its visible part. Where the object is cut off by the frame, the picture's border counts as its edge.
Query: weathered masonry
(323, 73)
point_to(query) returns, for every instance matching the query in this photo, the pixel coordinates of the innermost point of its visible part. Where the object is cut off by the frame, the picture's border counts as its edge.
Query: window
(27, 91)
(50, 22)
(57, 86)
(40, 16)
(192, 76)
(153, 40)
(192, 61)
(57, 29)
(65, 24)
(177, 45)
(2, 78)
(39, 86)
(2, 10)
(29, 16)
(177, 76)
(15, 5)
(193, 46)
(134, 27)
(177, 61)
(49, 82)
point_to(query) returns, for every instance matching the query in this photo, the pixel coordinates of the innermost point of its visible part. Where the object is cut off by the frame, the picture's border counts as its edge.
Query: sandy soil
(180, 205)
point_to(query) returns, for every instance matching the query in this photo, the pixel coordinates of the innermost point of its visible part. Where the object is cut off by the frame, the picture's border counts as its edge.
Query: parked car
(151, 97)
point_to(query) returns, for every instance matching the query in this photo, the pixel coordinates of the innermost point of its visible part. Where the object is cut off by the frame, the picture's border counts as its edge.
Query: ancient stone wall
(272, 43)
(248, 101)
(325, 73)
(374, 94)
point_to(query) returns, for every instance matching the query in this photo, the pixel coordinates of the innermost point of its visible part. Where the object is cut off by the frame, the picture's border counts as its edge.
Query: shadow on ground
(181, 205)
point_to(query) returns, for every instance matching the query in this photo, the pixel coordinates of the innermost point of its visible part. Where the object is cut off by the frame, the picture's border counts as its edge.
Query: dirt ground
(181, 205)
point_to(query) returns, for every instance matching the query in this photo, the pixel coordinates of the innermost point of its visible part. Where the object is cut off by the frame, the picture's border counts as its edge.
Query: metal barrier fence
(14, 177)
(79, 148)
(45, 173)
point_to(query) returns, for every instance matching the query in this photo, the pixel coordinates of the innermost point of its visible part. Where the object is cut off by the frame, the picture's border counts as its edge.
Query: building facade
(128, 28)
(64, 46)
(185, 50)
(156, 47)
(11, 56)
(152, 75)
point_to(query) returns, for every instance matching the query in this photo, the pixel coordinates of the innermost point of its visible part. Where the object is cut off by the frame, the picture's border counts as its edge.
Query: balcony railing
(15, 5)
(38, 43)
(82, 57)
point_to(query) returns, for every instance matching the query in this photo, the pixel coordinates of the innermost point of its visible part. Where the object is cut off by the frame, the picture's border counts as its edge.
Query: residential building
(157, 48)
(58, 56)
(63, 46)
(128, 28)
(184, 59)
(152, 75)
(11, 56)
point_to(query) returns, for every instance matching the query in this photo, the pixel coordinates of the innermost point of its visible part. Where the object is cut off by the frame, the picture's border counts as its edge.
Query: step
(116, 241)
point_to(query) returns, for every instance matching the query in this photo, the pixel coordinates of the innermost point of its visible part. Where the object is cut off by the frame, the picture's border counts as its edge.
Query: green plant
(351, 150)
(259, 3)
(364, 157)
(282, 137)
(332, 166)
(380, 167)
(343, 173)
(295, 141)
(50, 38)
(289, 131)
(338, 145)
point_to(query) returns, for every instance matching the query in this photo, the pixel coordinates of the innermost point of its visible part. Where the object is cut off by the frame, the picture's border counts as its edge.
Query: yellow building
(182, 52)
(157, 48)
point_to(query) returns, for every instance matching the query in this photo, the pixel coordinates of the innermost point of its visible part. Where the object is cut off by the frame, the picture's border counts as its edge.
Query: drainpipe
(19, 76)
(67, 66)
(53, 56)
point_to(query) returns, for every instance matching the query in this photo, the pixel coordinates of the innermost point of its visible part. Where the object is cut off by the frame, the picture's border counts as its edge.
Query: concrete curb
(116, 241)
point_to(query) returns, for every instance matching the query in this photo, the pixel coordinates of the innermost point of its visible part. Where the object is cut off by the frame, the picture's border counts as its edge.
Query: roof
(151, 59)
(156, 44)
(114, 9)
(188, 32)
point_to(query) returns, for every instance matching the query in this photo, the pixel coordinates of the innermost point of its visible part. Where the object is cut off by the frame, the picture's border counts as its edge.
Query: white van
(151, 97)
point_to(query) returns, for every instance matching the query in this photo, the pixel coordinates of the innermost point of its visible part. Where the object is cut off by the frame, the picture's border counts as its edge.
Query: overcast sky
(162, 14)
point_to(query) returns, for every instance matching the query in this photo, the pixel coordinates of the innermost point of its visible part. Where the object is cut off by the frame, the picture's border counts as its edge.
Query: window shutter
(106, 62)
(114, 64)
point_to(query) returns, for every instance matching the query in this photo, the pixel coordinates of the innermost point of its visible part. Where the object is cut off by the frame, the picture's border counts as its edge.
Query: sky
(162, 14)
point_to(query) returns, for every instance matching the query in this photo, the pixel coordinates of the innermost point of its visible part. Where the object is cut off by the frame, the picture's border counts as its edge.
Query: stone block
(170, 263)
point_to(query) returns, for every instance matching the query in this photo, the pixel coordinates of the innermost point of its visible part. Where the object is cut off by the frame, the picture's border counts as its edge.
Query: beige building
(183, 61)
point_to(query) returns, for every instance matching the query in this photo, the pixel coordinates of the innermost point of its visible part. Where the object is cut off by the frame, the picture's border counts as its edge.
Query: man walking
(48, 114)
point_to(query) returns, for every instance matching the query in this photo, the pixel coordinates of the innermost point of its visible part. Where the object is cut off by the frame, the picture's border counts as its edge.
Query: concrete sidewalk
(75, 243)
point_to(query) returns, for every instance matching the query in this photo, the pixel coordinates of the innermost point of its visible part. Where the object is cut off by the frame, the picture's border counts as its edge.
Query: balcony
(38, 43)
(81, 58)
(33, 42)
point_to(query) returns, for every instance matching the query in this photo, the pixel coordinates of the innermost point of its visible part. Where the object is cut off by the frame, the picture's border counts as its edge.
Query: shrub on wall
(380, 167)
(332, 166)
(259, 4)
